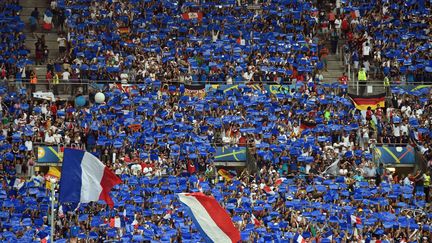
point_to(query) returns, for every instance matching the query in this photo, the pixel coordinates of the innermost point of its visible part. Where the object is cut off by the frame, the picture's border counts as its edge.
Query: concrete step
(52, 55)
(332, 75)
(39, 29)
(333, 58)
(40, 69)
(35, 3)
(26, 12)
(335, 68)
(51, 44)
(334, 62)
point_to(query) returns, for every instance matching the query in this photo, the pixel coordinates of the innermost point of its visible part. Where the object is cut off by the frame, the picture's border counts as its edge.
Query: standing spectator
(65, 80)
(366, 51)
(55, 83)
(45, 54)
(343, 79)
(337, 24)
(61, 18)
(33, 24)
(324, 53)
(33, 81)
(35, 14)
(426, 184)
(334, 38)
(345, 27)
(38, 52)
(65, 76)
(396, 133)
(62, 43)
(48, 78)
(379, 174)
(362, 79)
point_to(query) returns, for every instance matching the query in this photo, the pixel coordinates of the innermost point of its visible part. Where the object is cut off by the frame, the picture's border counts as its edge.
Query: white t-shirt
(29, 145)
(61, 41)
(147, 171)
(396, 130)
(57, 138)
(366, 50)
(404, 129)
(407, 110)
(136, 168)
(65, 75)
(49, 139)
(338, 23)
(124, 77)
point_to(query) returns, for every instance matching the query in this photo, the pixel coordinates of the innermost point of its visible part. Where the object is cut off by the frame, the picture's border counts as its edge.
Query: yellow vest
(55, 79)
(426, 180)
(362, 75)
(386, 82)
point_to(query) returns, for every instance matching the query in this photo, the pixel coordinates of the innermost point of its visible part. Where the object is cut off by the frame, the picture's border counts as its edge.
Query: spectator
(324, 53)
(35, 14)
(362, 79)
(62, 43)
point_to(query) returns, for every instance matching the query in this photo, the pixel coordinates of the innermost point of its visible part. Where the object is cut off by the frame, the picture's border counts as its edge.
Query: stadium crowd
(210, 41)
(161, 141)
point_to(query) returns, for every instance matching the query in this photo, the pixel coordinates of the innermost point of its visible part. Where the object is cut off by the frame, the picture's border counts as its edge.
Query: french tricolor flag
(209, 217)
(255, 221)
(279, 181)
(355, 220)
(269, 190)
(85, 178)
(299, 239)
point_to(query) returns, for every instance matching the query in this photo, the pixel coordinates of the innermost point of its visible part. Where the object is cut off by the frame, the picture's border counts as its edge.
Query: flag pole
(52, 185)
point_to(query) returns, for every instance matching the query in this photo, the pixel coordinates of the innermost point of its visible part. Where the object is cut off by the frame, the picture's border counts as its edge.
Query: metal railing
(84, 86)
(224, 82)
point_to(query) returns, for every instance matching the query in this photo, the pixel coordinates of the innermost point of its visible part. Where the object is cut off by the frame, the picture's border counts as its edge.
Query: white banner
(44, 95)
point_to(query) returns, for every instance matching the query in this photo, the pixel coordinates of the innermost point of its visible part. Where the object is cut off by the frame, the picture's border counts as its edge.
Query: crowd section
(13, 53)
(390, 39)
(161, 141)
(210, 41)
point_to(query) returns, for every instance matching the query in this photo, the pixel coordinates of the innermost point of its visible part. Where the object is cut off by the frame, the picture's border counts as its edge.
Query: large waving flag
(211, 219)
(84, 178)
(362, 102)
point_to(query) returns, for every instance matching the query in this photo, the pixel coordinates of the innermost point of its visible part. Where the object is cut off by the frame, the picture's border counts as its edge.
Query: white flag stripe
(92, 173)
(204, 219)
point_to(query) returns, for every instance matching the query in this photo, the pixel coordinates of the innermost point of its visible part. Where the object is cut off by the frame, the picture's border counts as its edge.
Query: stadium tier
(215, 121)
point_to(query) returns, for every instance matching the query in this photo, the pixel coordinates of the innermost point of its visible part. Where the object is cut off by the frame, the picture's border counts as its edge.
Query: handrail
(393, 144)
(376, 83)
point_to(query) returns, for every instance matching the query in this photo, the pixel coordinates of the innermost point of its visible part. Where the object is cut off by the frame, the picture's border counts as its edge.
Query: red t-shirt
(345, 24)
(191, 167)
(53, 109)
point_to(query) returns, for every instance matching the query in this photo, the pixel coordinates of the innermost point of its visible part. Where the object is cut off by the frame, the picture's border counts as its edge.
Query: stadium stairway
(335, 69)
(50, 36)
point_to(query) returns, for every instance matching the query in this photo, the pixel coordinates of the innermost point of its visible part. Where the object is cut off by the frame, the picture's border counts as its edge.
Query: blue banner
(49, 154)
(395, 154)
(230, 154)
